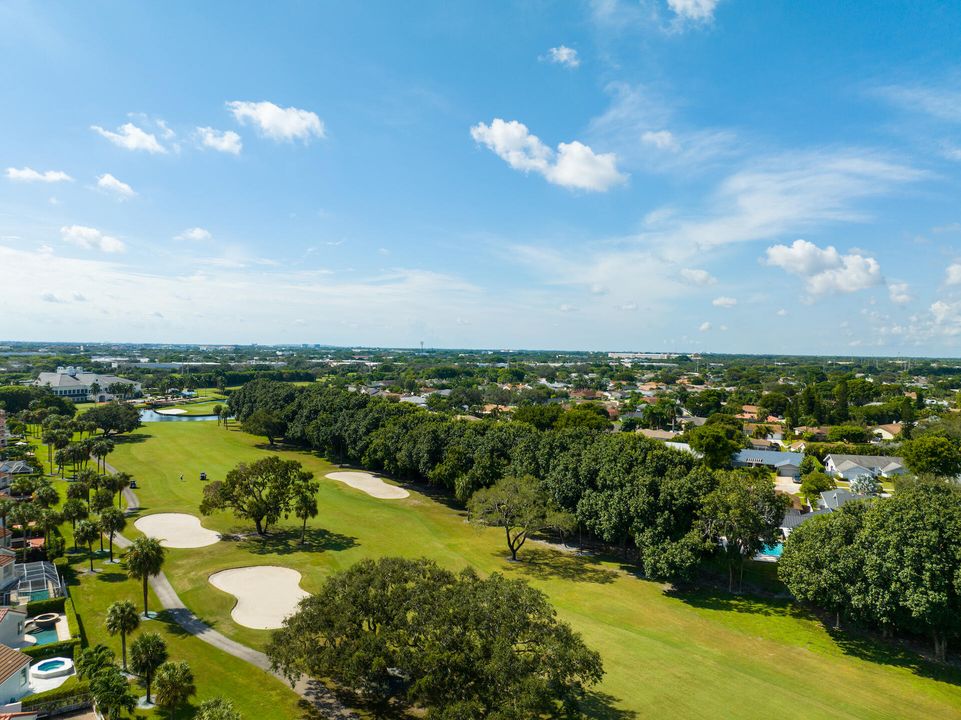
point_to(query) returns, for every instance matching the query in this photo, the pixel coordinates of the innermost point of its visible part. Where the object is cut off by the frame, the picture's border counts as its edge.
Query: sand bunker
(370, 484)
(266, 594)
(172, 411)
(176, 530)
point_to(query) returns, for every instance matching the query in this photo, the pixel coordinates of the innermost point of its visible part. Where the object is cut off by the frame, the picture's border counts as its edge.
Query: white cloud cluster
(661, 139)
(111, 184)
(697, 10)
(227, 141)
(953, 274)
(131, 137)
(574, 165)
(825, 270)
(563, 55)
(90, 238)
(195, 234)
(278, 123)
(724, 302)
(698, 277)
(28, 174)
(899, 292)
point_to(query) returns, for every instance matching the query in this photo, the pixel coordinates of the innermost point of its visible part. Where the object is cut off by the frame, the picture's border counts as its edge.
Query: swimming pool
(772, 551)
(45, 637)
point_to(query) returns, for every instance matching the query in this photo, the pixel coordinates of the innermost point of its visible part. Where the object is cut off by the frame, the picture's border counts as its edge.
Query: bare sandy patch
(172, 411)
(370, 484)
(177, 530)
(266, 594)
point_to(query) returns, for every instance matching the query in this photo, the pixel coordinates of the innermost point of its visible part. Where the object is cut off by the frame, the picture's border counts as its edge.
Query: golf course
(682, 655)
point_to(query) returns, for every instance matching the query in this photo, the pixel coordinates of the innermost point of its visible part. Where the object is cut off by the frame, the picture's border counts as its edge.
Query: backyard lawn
(707, 655)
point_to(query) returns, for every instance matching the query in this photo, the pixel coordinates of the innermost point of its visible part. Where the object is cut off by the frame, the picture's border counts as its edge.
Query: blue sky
(712, 175)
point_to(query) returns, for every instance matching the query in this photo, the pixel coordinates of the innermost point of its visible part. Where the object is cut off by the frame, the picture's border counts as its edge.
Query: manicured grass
(703, 655)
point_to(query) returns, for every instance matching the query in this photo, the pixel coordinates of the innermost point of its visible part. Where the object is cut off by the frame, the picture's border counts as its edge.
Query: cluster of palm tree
(170, 683)
(89, 508)
(32, 508)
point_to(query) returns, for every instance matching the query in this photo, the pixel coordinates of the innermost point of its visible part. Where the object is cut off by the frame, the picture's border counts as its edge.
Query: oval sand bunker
(266, 594)
(176, 530)
(370, 484)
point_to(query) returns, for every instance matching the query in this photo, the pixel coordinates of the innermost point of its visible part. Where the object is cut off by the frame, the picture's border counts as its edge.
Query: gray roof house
(787, 464)
(850, 467)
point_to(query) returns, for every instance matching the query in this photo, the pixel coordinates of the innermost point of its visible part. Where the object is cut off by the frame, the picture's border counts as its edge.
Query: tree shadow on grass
(601, 706)
(544, 563)
(721, 601)
(864, 646)
(108, 576)
(287, 541)
(130, 438)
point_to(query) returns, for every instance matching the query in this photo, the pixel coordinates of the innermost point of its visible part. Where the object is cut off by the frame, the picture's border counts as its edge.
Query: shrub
(38, 607)
(64, 648)
(71, 692)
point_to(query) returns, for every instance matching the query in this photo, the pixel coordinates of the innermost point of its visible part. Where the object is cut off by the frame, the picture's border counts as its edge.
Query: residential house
(10, 469)
(79, 385)
(849, 467)
(785, 464)
(12, 623)
(831, 500)
(14, 674)
(888, 431)
(658, 434)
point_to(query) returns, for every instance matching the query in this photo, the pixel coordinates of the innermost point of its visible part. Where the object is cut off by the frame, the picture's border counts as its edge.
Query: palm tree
(175, 685)
(111, 693)
(112, 521)
(48, 438)
(145, 558)
(87, 531)
(305, 505)
(218, 410)
(94, 659)
(46, 496)
(100, 449)
(147, 653)
(217, 708)
(73, 510)
(23, 514)
(6, 507)
(122, 619)
(118, 482)
(47, 521)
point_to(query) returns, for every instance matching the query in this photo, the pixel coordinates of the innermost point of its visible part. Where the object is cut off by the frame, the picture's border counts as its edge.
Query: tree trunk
(145, 611)
(90, 555)
(111, 547)
(940, 646)
(260, 526)
(303, 531)
(123, 650)
(837, 620)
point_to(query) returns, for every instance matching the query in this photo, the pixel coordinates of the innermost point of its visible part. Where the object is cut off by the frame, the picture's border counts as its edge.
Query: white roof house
(850, 467)
(78, 384)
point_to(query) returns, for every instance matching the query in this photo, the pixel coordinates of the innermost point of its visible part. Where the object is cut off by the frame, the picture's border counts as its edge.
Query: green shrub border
(64, 648)
(66, 694)
(38, 607)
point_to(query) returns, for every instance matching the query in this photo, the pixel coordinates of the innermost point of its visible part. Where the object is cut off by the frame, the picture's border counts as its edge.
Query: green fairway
(709, 655)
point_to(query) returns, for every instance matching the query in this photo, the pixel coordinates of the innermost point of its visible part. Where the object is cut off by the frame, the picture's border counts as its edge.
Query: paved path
(309, 689)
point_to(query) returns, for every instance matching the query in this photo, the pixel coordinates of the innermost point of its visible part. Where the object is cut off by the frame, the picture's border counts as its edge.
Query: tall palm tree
(175, 685)
(118, 483)
(122, 619)
(73, 510)
(94, 659)
(6, 507)
(86, 533)
(48, 520)
(145, 558)
(111, 693)
(46, 496)
(112, 521)
(147, 653)
(23, 514)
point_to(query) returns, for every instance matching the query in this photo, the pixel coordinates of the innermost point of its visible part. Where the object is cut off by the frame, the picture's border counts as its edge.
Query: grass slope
(702, 655)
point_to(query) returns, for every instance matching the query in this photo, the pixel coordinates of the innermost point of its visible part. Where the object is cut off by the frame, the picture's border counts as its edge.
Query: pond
(154, 416)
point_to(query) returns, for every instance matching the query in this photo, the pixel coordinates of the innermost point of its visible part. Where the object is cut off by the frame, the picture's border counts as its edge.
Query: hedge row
(67, 694)
(38, 607)
(64, 648)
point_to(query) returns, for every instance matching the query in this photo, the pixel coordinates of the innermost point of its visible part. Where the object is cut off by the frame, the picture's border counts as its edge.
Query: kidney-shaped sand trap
(176, 530)
(370, 484)
(266, 594)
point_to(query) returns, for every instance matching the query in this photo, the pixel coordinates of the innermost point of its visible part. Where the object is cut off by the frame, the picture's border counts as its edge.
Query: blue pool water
(48, 665)
(45, 637)
(772, 550)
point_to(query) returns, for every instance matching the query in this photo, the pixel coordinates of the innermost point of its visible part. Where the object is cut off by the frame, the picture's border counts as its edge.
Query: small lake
(154, 416)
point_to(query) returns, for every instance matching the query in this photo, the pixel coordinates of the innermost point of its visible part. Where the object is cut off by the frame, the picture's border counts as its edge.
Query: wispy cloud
(563, 55)
(90, 238)
(111, 184)
(222, 141)
(277, 123)
(28, 174)
(131, 137)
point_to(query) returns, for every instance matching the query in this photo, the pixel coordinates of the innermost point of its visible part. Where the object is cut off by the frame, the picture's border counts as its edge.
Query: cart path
(309, 689)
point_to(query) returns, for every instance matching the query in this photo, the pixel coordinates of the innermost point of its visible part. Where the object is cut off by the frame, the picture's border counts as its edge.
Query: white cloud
(565, 308)
(112, 184)
(724, 302)
(698, 10)
(195, 234)
(629, 307)
(825, 270)
(698, 277)
(953, 274)
(705, 326)
(50, 298)
(575, 165)
(90, 238)
(899, 292)
(661, 139)
(563, 55)
(28, 174)
(942, 103)
(278, 123)
(227, 141)
(131, 137)
(782, 313)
